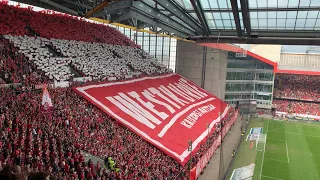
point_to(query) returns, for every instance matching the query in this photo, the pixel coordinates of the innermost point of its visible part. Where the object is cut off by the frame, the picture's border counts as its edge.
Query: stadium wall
(211, 76)
(271, 52)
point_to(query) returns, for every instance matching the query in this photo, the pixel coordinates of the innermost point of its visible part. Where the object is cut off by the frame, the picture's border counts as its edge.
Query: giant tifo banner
(195, 172)
(166, 110)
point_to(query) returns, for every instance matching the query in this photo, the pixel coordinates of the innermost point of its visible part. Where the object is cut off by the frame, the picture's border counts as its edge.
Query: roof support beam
(179, 13)
(235, 11)
(260, 40)
(60, 7)
(261, 9)
(246, 16)
(270, 33)
(97, 8)
(77, 4)
(144, 8)
(112, 7)
(128, 13)
(199, 11)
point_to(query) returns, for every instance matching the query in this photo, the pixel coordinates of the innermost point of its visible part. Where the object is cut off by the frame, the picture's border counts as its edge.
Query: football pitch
(292, 151)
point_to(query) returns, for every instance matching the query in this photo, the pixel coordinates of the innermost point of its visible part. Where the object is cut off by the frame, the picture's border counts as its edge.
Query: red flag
(46, 100)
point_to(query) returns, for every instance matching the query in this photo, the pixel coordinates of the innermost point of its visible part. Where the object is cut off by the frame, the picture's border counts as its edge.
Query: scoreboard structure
(248, 106)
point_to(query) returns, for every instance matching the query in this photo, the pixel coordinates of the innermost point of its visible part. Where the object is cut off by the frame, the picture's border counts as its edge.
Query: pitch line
(275, 160)
(296, 134)
(271, 177)
(287, 151)
(264, 149)
(277, 140)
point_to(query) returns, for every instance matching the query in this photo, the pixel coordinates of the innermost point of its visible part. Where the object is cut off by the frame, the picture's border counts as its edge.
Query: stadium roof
(276, 68)
(208, 21)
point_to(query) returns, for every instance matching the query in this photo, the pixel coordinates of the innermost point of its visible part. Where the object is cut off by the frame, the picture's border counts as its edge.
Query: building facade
(249, 79)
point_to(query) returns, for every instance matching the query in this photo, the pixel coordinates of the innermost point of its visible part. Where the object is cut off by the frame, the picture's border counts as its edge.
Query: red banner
(166, 110)
(195, 172)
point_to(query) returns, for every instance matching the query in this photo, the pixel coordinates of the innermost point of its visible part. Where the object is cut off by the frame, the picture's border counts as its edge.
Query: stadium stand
(33, 52)
(96, 60)
(305, 87)
(297, 107)
(297, 94)
(52, 143)
(14, 68)
(19, 21)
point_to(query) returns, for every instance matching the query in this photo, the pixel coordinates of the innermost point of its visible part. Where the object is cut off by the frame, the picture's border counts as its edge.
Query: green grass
(245, 156)
(292, 152)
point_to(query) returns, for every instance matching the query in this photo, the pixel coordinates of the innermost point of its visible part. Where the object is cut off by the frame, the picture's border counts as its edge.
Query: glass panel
(302, 14)
(300, 23)
(240, 76)
(213, 4)
(282, 3)
(229, 5)
(216, 15)
(225, 16)
(272, 3)
(185, 4)
(239, 4)
(262, 23)
(304, 3)
(313, 14)
(262, 15)
(262, 4)
(233, 24)
(219, 24)
(254, 23)
(272, 14)
(317, 26)
(227, 24)
(264, 97)
(252, 4)
(264, 76)
(290, 23)
(281, 22)
(223, 3)
(194, 15)
(211, 24)
(293, 3)
(205, 4)
(208, 15)
(253, 14)
(272, 23)
(281, 14)
(315, 3)
(263, 88)
(292, 14)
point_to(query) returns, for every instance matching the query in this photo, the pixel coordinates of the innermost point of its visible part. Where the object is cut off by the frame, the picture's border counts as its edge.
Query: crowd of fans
(52, 141)
(299, 94)
(15, 68)
(96, 60)
(304, 87)
(307, 108)
(20, 21)
(93, 50)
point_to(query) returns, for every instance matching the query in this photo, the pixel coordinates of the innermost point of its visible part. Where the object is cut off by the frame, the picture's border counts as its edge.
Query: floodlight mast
(190, 150)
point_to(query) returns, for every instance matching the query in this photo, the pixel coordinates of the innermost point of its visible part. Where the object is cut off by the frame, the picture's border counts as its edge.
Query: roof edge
(232, 48)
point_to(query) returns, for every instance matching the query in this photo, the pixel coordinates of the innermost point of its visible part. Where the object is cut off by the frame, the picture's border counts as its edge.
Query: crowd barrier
(195, 172)
(298, 99)
(297, 116)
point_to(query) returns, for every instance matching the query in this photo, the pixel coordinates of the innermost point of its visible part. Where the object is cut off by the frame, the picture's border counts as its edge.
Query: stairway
(52, 50)
(130, 67)
(31, 31)
(75, 72)
(7, 81)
